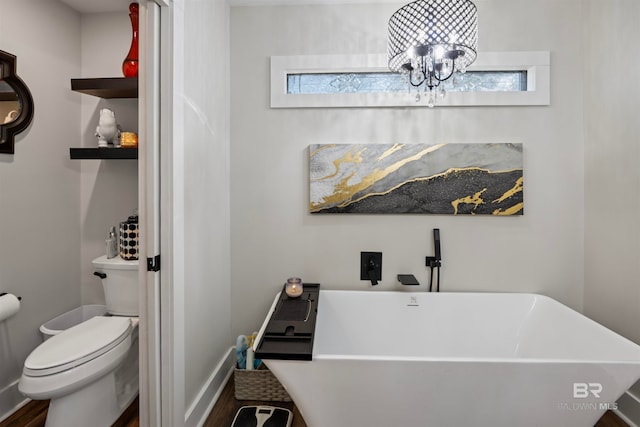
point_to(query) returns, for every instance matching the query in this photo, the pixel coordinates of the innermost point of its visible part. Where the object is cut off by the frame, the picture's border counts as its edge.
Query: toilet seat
(77, 345)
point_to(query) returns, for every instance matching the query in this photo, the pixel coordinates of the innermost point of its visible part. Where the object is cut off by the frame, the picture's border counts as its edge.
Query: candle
(293, 287)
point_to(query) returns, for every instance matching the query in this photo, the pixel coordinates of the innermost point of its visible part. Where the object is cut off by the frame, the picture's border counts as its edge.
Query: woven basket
(259, 384)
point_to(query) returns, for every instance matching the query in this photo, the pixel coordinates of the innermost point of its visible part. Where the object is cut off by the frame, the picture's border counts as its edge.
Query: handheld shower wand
(435, 261)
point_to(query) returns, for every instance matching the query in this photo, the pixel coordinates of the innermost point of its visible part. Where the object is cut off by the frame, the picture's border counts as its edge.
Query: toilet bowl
(90, 371)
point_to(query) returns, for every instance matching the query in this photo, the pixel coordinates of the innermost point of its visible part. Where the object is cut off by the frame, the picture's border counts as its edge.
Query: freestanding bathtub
(391, 359)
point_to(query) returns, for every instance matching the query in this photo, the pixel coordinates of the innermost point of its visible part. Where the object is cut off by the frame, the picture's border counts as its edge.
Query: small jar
(128, 140)
(293, 288)
(129, 238)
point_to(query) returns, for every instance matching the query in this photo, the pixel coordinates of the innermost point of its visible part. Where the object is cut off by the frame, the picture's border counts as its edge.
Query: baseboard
(629, 408)
(11, 400)
(199, 410)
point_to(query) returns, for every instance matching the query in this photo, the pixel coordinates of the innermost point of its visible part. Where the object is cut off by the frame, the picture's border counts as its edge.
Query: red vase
(130, 63)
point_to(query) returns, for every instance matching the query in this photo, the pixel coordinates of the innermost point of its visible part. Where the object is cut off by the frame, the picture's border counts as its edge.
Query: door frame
(161, 351)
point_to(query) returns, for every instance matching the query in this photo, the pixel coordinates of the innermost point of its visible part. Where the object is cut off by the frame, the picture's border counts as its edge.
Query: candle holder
(293, 288)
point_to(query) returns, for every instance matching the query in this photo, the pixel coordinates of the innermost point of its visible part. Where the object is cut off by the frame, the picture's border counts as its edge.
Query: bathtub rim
(330, 356)
(520, 360)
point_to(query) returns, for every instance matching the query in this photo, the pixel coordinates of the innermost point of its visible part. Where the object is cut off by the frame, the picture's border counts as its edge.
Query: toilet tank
(120, 284)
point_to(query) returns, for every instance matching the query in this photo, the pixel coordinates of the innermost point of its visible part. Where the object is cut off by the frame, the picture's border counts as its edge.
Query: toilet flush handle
(100, 275)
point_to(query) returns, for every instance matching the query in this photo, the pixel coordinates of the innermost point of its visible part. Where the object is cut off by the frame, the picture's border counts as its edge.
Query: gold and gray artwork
(416, 178)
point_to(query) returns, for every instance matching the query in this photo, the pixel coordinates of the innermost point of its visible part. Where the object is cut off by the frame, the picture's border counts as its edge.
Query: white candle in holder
(293, 287)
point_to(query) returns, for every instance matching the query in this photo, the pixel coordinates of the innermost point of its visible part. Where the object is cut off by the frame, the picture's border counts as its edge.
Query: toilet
(90, 371)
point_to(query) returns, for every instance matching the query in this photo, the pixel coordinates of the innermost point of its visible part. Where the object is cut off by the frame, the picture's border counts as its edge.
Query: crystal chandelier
(430, 40)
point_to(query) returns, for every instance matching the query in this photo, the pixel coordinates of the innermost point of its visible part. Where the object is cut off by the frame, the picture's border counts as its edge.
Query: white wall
(274, 236)
(201, 258)
(109, 188)
(612, 177)
(39, 185)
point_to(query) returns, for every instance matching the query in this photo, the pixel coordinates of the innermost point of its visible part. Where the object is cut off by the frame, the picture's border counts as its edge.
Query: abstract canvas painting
(483, 178)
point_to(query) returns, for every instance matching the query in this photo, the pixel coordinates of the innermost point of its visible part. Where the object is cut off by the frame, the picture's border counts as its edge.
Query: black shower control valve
(371, 267)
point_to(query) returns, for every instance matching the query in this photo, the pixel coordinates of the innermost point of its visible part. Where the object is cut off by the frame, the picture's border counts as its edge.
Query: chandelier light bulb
(438, 53)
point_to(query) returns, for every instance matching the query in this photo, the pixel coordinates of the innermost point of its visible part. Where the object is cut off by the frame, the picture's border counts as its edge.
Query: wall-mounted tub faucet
(435, 262)
(408, 280)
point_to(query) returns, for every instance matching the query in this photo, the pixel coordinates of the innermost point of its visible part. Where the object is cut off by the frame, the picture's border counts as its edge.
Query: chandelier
(430, 40)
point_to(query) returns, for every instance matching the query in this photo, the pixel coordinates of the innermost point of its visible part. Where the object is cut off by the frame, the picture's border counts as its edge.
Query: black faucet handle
(371, 272)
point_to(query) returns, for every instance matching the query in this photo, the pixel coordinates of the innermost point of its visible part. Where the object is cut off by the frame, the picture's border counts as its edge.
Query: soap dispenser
(112, 243)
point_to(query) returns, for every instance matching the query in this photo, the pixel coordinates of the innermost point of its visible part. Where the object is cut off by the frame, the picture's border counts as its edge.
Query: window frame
(536, 63)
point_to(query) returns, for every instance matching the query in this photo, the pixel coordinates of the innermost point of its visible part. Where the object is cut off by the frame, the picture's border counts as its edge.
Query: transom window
(495, 78)
(383, 82)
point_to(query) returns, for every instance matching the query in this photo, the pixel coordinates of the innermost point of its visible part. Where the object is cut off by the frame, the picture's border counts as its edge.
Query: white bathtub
(392, 359)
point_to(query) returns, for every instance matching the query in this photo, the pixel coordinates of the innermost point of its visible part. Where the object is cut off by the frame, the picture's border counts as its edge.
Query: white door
(154, 130)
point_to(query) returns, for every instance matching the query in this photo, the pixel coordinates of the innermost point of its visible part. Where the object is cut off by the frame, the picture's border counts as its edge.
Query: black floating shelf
(103, 153)
(109, 87)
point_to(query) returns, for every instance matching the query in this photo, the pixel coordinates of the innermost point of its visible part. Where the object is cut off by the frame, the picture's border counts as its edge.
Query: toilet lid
(77, 345)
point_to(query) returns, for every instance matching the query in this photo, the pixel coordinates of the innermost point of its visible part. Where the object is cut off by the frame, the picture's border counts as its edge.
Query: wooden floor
(34, 413)
(609, 419)
(226, 407)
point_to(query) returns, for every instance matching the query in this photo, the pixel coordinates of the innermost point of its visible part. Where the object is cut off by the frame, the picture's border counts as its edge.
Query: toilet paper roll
(9, 305)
